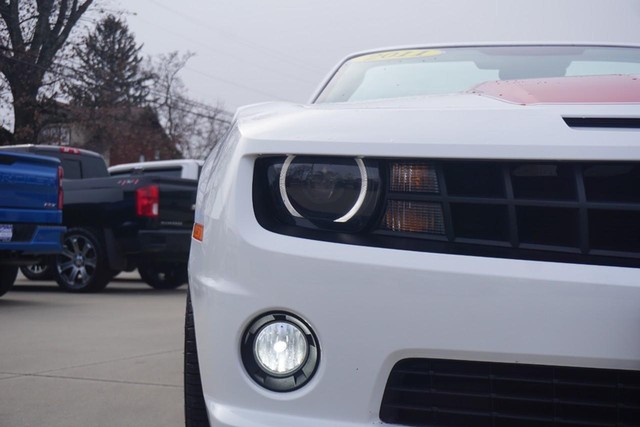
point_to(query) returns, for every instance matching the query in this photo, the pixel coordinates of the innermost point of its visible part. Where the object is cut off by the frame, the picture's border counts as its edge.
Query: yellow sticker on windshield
(398, 54)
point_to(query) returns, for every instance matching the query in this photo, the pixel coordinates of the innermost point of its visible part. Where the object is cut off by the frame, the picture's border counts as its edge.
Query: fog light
(280, 348)
(280, 352)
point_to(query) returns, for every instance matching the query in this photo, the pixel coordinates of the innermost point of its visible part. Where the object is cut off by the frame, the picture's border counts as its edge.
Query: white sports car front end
(464, 256)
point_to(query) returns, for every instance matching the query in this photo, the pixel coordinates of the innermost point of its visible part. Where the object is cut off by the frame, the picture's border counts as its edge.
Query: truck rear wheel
(82, 266)
(163, 275)
(8, 275)
(40, 271)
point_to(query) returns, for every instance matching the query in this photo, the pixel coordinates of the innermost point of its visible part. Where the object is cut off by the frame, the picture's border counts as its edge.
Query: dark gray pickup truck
(118, 223)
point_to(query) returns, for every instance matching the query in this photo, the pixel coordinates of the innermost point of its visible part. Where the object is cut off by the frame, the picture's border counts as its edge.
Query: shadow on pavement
(6, 302)
(36, 288)
(114, 288)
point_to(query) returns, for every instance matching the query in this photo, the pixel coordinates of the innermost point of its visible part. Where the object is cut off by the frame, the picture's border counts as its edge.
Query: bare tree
(194, 127)
(32, 33)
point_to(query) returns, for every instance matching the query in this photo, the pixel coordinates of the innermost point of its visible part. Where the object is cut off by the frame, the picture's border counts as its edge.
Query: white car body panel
(372, 307)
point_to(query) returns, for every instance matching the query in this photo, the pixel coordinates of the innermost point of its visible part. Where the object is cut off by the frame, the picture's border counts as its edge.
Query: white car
(444, 236)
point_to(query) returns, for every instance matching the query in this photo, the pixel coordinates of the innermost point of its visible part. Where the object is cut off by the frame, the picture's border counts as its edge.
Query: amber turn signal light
(414, 217)
(198, 231)
(414, 177)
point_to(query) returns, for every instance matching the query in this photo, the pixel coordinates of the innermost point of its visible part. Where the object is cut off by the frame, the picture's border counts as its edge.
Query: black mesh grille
(431, 392)
(583, 212)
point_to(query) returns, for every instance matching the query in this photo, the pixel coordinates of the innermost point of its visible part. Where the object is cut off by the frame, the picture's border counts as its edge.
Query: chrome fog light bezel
(266, 378)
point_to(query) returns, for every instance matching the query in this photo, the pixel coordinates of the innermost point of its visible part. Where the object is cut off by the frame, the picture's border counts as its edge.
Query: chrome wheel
(40, 271)
(82, 265)
(37, 268)
(77, 263)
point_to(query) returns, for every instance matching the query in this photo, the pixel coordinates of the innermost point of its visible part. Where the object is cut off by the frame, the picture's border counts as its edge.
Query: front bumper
(372, 307)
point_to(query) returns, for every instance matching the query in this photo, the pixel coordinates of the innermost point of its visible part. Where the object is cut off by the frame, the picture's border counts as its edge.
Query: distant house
(120, 134)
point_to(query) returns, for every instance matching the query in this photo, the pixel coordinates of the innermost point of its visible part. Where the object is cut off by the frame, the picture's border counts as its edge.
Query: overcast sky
(251, 51)
(261, 50)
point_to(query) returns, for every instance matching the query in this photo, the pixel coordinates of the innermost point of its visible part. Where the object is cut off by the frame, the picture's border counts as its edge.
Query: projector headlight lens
(280, 348)
(280, 351)
(330, 189)
(318, 192)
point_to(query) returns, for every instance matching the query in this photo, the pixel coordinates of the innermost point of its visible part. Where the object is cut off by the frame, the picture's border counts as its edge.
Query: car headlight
(280, 351)
(322, 192)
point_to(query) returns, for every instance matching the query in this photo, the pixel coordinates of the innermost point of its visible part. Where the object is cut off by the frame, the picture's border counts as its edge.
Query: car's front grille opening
(614, 230)
(478, 221)
(581, 212)
(434, 392)
(476, 179)
(612, 182)
(543, 181)
(548, 226)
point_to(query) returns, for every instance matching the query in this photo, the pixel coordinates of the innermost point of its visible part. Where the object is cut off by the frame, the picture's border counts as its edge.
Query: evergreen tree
(110, 73)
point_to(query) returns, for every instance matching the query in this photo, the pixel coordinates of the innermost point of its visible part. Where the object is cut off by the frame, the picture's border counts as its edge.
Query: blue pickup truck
(31, 199)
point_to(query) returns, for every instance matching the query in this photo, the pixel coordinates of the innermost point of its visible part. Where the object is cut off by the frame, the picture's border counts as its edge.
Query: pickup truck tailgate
(29, 184)
(177, 202)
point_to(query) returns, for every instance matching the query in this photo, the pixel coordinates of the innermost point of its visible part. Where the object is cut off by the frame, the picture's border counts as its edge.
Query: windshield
(419, 72)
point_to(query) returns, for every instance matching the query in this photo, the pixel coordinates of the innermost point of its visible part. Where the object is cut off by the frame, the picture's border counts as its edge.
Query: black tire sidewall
(8, 274)
(195, 409)
(174, 275)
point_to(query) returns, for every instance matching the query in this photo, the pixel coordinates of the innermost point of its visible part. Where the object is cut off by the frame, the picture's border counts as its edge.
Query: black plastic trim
(603, 122)
(573, 206)
(461, 393)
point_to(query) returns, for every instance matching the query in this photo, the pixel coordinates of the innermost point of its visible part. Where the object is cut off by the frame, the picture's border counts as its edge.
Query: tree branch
(11, 16)
(41, 30)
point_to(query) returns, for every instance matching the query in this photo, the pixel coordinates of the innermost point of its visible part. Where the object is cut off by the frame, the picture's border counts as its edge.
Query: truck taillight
(69, 150)
(147, 201)
(60, 190)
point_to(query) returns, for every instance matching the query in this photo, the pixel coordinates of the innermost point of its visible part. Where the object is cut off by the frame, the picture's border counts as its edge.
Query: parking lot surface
(107, 359)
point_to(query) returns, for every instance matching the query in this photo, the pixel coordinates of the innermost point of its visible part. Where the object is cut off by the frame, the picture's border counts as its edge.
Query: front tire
(8, 274)
(163, 275)
(195, 409)
(82, 266)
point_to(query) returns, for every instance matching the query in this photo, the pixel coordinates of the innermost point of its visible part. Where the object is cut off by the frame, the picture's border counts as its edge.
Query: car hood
(451, 125)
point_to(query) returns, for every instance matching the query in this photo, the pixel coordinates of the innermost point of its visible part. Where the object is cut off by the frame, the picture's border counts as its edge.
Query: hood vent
(603, 122)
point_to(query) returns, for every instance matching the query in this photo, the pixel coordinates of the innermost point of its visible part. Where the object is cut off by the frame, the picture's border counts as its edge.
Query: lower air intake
(431, 392)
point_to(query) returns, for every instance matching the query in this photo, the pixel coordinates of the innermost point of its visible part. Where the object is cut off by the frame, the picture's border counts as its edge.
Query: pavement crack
(62, 377)
(11, 375)
(102, 362)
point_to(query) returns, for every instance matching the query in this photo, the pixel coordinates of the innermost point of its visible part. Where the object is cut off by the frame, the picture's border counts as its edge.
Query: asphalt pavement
(108, 359)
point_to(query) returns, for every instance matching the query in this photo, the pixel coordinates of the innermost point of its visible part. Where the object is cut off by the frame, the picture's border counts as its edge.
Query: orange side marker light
(198, 231)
